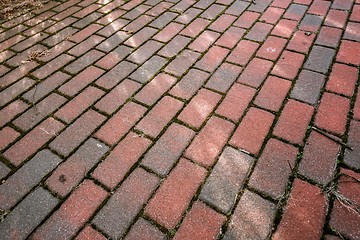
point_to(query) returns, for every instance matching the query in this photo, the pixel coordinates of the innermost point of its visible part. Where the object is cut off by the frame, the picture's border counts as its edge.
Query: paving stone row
(181, 119)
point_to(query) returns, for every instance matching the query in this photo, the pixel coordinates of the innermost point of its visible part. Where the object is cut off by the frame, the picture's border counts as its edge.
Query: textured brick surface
(309, 223)
(226, 180)
(69, 174)
(179, 119)
(199, 216)
(123, 206)
(252, 218)
(209, 142)
(272, 169)
(168, 149)
(176, 192)
(252, 130)
(294, 121)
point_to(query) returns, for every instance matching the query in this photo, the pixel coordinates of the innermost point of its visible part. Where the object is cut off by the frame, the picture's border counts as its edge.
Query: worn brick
(349, 52)
(11, 41)
(28, 42)
(352, 31)
(288, 65)
(252, 130)
(342, 79)
(27, 177)
(143, 229)
(355, 14)
(39, 112)
(213, 11)
(243, 52)
(33, 141)
(237, 8)
(252, 218)
(117, 74)
(81, 63)
(144, 52)
(343, 219)
(208, 144)
(113, 27)
(212, 59)
(273, 93)
(27, 215)
(109, 18)
(10, 111)
(301, 42)
(4, 170)
(284, 28)
(281, 3)
(80, 81)
(79, 104)
(182, 62)
(259, 32)
(204, 41)
(222, 23)
(52, 66)
(188, 15)
(159, 116)
(123, 157)
(149, 69)
(336, 18)
(309, 224)
(224, 77)
(319, 7)
(329, 37)
(118, 96)
(136, 12)
(77, 132)
(45, 87)
(332, 113)
(272, 15)
(255, 72)
(236, 101)
(199, 108)
(195, 28)
(163, 20)
(352, 156)
(16, 74)
(14, 90)
(320, 59)
(155, 89)
(60, 36)
(226, 179)
(295, 12)
(168, 149)
(293, 121)
(69, 174)
(84, 33)
(177, 44)
(138, 23)
(124, 205)
(271, 48)
(200, 223)
(84, 201)
(308, 86)
(189, 84)
(272, 169)
(167, 33)
(231, 37)
(260, 6)
(175, 194)
(113, 41)
(114, 57)
(7, 136)
(310, 23)
(140, 37)
(246, 19)
(119, 124)
(89, 233)
(319, 158)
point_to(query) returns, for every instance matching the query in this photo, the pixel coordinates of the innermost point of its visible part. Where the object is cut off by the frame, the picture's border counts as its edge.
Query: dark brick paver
(181, 119)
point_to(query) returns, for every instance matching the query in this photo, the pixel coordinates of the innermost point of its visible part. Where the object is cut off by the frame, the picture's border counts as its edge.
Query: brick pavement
(181, 119)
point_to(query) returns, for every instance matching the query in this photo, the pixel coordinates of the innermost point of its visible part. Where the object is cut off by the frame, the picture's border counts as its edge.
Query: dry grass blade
(35, 55)
(12, 8)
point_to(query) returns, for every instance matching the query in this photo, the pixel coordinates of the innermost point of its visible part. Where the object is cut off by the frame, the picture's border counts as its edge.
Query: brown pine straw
(12, 8)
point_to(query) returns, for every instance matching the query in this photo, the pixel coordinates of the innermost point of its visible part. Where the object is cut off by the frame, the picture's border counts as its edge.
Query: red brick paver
(180, 119)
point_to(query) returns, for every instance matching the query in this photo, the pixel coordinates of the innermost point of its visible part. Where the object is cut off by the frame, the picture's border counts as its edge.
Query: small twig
(331, 137)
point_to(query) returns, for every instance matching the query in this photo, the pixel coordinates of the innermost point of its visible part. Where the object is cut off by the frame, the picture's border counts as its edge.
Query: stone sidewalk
(181, 119)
